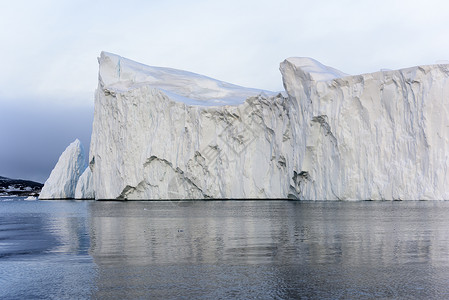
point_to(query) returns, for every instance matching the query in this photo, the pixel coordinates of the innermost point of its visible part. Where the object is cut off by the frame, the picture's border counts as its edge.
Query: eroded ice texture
(374, 136)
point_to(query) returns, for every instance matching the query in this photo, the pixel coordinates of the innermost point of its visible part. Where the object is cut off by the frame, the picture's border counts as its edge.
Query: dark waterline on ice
(223, 249)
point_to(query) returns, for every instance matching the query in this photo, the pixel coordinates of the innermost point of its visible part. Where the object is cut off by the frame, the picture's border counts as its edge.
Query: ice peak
(64, 176)
(314, 70)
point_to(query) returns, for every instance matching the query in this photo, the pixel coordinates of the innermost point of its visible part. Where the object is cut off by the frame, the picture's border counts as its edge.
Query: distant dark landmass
(18, 187)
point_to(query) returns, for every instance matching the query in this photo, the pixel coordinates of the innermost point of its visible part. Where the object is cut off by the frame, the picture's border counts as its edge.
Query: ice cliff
(383, 135)
(151, 139)
(161, 133)
(64, 177)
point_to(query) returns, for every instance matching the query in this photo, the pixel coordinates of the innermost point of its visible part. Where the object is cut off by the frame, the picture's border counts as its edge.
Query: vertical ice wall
(383, 135)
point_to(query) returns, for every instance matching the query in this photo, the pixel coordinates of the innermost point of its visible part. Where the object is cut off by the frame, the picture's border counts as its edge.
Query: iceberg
(161, 133)
(64, 177)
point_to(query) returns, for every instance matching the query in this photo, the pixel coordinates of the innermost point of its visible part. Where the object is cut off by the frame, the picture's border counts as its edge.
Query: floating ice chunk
(84, 188)
(63, 179)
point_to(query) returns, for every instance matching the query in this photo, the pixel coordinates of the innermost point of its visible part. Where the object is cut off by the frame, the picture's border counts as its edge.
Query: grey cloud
(34, 135)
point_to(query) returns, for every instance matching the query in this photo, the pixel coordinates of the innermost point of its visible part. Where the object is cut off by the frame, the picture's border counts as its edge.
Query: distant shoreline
(19, 187)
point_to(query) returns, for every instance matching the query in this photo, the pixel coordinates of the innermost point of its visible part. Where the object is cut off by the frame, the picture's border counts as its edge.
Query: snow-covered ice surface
(64, 177)
(119, 74)
(161, 133)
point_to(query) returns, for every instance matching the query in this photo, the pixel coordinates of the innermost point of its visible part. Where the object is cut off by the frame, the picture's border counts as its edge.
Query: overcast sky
(49, 49)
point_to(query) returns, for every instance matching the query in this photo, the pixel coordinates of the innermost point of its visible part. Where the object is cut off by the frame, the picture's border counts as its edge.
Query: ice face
(372, 136)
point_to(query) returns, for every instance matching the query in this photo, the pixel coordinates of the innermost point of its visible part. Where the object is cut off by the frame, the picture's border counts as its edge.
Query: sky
(49, 53)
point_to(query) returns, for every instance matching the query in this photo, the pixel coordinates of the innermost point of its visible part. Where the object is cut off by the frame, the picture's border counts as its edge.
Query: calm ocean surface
(223, 250)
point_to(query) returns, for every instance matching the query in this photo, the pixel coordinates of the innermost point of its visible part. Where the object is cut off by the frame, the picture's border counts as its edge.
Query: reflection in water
(223, 249)
(270, 249)
(44, 250)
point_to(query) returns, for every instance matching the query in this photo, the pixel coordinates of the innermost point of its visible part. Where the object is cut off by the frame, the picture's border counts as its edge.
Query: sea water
(223, 249)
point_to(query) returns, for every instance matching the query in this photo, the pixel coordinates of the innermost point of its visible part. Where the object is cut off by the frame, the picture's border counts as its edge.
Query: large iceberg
(161, 133)
(64, 177)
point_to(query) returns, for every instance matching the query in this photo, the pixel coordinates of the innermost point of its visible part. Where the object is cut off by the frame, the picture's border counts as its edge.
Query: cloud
(33, 137)
(52, 45)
